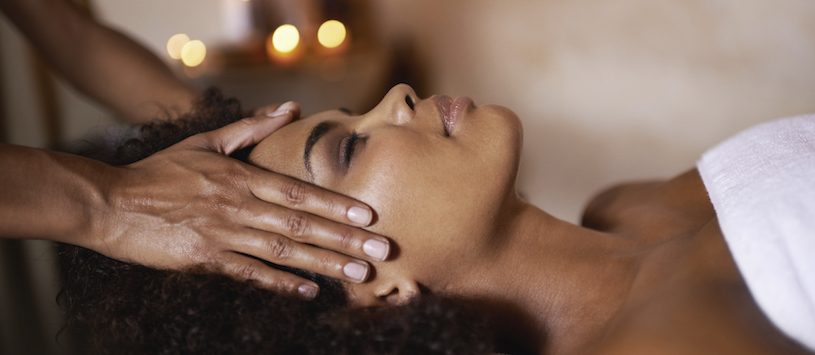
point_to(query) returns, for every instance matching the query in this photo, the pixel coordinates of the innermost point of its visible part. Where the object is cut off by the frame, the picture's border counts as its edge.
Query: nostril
(409, 102)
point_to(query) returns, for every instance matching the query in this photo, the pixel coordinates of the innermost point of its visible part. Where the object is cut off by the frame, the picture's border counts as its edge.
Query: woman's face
(438, 172)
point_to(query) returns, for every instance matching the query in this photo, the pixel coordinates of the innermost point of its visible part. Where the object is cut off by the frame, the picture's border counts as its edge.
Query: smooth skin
(187, 205)
(648, 272)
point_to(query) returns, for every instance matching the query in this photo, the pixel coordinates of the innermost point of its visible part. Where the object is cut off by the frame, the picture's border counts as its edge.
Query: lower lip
(457, 109)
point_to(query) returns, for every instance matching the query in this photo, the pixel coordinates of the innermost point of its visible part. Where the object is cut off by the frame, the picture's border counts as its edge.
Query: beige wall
(79, 116)
(608, 90)
(617, 89)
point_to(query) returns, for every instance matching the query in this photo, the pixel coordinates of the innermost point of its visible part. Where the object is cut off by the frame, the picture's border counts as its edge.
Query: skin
(185, 206)
(648, 272)
(88, 55)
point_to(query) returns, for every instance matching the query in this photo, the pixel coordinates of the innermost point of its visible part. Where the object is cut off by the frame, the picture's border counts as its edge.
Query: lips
(451, 111)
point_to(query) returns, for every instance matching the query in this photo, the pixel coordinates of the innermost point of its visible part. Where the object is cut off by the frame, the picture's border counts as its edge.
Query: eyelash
(347, 148)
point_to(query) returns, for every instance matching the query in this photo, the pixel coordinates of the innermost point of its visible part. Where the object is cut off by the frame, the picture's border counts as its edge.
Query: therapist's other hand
(191, 204)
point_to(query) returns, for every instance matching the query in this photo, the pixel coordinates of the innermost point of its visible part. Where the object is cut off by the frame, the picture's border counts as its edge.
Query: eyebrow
(316, 133)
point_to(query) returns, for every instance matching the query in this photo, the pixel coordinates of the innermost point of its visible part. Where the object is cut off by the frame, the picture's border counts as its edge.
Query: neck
(552, 285)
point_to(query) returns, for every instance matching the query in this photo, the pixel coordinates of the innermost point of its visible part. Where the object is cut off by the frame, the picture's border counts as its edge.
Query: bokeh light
(331, 33)
(193, 53)
(175, 44)
(285, 38)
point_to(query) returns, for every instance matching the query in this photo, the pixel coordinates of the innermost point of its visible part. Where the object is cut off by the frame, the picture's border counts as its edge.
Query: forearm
(104, 64)
(50, 195)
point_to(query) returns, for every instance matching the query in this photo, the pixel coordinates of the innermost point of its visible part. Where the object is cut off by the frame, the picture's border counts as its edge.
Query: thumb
(248, 131)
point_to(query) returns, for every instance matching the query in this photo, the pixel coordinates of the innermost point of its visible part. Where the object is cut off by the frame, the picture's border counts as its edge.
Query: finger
(299, 195)
(244, 268)
(307, 228)
(246, 132)
(270, 110)
(265, 110)
(281, 250)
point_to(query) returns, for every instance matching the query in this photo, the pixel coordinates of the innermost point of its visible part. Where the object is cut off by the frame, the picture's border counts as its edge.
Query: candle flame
(285, 38)
(331, 33)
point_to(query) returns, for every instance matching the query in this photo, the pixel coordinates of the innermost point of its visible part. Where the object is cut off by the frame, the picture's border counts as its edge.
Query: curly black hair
(114, 307)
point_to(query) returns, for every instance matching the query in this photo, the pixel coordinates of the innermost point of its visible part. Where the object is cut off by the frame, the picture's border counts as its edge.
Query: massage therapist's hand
(191, 204)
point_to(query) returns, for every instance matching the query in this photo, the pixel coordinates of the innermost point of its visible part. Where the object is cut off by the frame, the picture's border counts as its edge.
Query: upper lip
(443, 103)
(451, 111)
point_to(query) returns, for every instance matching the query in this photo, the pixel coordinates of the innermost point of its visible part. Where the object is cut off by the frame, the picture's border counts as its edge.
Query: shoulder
(689, 298)
(613, 205)
(679, 202)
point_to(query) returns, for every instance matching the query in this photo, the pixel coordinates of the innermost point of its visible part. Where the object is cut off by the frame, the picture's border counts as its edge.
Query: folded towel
(762, 184)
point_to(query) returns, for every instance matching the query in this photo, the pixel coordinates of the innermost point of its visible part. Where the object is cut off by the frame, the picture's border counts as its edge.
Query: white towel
(762, 185)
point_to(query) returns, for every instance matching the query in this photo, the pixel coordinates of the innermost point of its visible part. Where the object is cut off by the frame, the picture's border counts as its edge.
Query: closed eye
(347, 149)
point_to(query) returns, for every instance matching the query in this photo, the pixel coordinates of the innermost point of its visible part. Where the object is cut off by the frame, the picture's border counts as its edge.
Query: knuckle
(295, 192)
(335, 207)
(199, 253)
(234, 174)
(234, 171)
(326, 264)
(346, 239)
(297, 225)
(286, 285)
(221, 202)
(247, 123)
(218, 203)
(247, 272)
(213, 142)
(279, 248)
(203, 140)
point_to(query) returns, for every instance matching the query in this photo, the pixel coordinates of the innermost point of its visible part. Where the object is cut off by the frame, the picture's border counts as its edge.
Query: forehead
(282, 151)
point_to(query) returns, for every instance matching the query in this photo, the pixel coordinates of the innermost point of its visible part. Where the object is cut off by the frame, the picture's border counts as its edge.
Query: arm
(190, 205)
(152, 212)
(98, 61)
(49, 195)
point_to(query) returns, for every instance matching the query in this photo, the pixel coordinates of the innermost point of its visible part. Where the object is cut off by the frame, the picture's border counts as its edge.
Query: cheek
(435, 202)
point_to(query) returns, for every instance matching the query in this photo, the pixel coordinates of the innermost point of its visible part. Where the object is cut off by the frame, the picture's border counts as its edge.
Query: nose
(397, 107)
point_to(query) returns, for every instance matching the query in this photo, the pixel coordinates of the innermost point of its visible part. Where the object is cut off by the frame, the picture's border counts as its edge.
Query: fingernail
(282, 109)
(307, 291)
(356, 271)
(376, 249)
(277, 113)
(360, 215)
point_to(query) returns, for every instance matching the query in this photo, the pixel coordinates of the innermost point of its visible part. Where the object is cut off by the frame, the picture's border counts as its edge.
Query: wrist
(102, 213)
(50, 195)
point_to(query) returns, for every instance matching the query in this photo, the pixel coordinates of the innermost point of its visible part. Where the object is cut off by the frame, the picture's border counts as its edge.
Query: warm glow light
(193, 53)
(285, 38)
(175, 44)
(331, 33)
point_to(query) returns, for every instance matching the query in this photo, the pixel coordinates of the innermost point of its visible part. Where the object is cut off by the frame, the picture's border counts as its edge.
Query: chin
(506, 131)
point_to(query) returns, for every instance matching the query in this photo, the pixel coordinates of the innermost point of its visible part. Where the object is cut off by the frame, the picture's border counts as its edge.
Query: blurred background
(608, 91)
